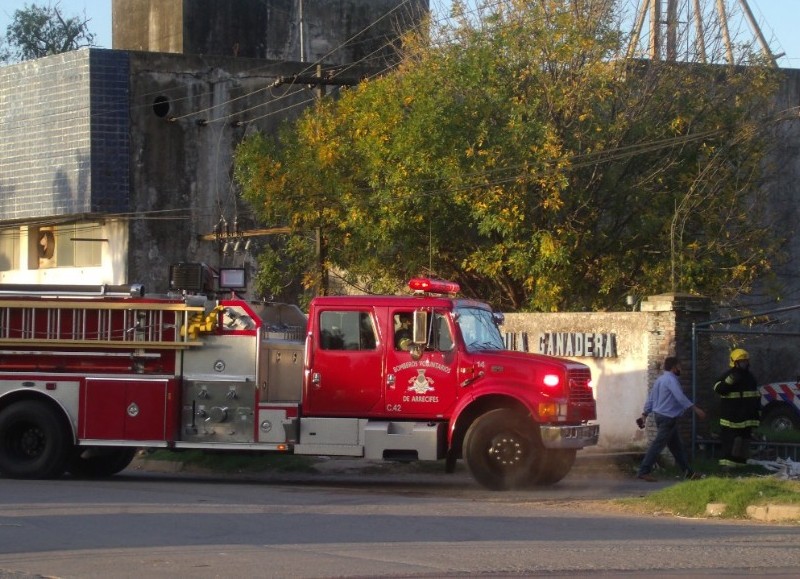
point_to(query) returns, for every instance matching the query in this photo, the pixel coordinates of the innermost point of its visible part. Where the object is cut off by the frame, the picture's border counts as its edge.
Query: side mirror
(419, 334)
(420, 329)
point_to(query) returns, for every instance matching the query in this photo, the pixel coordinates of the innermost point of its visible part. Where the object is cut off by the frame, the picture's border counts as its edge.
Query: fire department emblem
(421, 384)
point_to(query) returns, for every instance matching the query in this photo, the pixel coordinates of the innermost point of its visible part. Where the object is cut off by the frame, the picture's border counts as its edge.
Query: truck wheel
(99, 461)
(33, 441)
(554, 466)
(780, 418)
(500, 449)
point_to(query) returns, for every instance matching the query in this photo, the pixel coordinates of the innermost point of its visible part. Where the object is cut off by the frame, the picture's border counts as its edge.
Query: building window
(73, 245)
(9, 249)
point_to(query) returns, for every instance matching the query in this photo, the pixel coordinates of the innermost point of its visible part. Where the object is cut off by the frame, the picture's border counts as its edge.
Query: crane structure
(699, 30)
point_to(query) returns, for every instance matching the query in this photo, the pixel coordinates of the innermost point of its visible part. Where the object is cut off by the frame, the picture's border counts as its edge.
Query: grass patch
(690, 498)
(745, 486)
(230, 461)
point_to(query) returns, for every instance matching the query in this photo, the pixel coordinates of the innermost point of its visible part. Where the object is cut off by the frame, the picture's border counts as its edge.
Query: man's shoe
(647, 477)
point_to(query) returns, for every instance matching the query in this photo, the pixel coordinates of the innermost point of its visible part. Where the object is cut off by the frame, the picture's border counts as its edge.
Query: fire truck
(780, 405)
(88, 375)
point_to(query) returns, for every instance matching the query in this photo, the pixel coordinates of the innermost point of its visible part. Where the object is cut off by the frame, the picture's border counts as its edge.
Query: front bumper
(569, 436)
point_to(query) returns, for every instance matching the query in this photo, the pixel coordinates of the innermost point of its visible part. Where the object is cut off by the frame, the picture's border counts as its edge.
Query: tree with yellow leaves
(521, 155)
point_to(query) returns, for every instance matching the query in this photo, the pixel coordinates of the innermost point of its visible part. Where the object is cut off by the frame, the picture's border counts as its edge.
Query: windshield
(478, 329)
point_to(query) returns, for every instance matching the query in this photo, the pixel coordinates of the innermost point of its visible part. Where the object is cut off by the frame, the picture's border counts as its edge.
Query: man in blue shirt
(667, 402)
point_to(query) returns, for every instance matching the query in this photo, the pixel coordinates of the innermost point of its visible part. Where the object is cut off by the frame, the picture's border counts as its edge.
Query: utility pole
(322, 255)
(227, 240)
(222, 236)
(318, 81)
(302, 31)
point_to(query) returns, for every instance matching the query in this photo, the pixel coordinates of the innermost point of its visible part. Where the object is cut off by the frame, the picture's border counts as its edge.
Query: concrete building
(115, 163)
(330, 31)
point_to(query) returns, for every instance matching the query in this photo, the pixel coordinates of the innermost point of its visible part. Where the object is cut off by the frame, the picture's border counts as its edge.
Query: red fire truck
(89, 375)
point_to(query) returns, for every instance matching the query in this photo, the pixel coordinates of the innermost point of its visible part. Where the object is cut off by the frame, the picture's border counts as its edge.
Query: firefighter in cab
(739, 409)
(403, 333)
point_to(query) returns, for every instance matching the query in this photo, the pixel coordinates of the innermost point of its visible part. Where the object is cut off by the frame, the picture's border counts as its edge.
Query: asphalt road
(356, 522)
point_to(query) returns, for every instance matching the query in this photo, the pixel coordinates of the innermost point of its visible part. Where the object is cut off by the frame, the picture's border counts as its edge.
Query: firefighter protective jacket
(740, 399)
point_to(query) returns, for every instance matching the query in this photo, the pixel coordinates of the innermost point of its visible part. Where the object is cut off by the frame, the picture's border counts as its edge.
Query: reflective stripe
(744, 424)
(747, 394)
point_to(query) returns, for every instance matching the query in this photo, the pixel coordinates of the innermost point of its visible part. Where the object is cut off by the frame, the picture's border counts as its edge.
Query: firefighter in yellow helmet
(739, 409)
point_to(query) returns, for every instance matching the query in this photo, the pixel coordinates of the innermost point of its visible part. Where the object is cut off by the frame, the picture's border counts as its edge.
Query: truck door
(345, 374)
(424, 388)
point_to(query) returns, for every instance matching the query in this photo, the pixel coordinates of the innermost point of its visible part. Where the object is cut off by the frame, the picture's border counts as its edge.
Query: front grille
(579, 390)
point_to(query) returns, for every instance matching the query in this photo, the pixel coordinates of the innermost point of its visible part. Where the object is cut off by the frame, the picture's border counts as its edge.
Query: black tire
(100, 461)
(554, 466)
(780, 418)
(34, 441)
(501, 449)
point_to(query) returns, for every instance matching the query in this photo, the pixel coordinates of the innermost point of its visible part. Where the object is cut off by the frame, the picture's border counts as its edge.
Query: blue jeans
(667, 436)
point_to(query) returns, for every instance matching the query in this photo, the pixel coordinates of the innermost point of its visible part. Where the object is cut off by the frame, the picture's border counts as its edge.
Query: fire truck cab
(89, 375)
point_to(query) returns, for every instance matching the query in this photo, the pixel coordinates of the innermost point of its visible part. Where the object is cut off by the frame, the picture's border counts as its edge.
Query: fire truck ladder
(60, 318)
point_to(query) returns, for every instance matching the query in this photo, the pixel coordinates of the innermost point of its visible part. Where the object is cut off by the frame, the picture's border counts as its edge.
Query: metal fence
(759, 450)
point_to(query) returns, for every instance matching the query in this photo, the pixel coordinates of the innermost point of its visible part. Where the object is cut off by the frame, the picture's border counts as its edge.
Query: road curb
(774, 513)
(331, 467)
(766, 513)
(162, 466)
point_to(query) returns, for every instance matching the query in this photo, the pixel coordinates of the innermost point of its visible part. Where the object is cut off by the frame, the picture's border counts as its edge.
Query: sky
(779, 20)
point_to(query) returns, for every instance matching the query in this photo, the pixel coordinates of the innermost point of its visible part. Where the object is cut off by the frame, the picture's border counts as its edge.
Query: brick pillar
(672, 316)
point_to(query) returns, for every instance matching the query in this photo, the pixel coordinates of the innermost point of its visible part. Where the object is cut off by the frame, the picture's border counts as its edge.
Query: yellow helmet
(738, 355)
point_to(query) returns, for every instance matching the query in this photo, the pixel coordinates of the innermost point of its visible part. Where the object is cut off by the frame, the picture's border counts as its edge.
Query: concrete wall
(632, 349)
(187, 115)
(141, 140)
(331, 31)
(780, 191)
(145, 25)
(774, 356)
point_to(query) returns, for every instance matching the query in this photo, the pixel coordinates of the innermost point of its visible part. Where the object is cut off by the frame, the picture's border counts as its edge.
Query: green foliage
(37, 31)
(5, 51)
(690, 498)
(521, 157)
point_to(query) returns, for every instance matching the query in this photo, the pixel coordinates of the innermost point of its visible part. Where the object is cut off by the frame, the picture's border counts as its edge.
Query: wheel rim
(782, 423)
(506, 450)
(26, 441)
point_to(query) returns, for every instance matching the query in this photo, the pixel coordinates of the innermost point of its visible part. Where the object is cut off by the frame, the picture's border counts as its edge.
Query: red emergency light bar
(434, 286)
